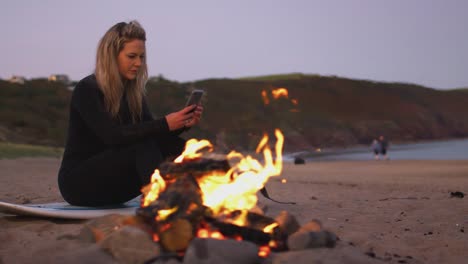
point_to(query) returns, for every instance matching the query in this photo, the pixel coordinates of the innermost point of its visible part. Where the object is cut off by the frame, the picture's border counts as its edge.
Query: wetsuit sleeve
(88, 100)
(146, 114)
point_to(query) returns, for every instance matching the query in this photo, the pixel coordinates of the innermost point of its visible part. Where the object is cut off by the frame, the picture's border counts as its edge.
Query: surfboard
(66, 211)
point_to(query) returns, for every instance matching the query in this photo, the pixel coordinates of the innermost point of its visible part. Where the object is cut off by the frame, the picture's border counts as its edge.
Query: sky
(413, 41)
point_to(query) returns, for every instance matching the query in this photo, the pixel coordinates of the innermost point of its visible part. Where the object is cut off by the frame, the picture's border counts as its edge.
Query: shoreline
(431, 150)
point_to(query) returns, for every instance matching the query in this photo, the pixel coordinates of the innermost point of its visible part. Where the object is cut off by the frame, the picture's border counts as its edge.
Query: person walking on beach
(114, 144)
(375, 148)
(383, 147)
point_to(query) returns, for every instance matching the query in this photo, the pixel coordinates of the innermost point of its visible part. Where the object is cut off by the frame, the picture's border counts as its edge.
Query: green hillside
(330, 111)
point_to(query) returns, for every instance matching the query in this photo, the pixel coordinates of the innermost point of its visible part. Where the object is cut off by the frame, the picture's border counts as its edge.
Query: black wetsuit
(107, 160)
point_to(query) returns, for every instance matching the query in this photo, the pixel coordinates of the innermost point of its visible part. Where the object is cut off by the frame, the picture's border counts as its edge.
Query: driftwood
(177, 235)
(176, 213)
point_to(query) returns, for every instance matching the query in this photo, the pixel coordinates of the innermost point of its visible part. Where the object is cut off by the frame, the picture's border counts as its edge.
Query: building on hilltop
(17, 79)
(63, 78)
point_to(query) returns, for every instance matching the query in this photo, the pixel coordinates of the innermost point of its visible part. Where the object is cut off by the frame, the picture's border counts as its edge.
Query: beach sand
(393, 211)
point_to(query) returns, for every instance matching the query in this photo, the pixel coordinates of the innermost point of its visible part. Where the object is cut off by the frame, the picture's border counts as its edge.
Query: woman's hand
(185, 117)
(196, 116)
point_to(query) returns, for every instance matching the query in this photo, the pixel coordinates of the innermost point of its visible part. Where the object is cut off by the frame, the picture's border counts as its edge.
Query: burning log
(180, 199)
(245, 232)
(176, 213)
(287, 222)
(196, 167)
(177, 235)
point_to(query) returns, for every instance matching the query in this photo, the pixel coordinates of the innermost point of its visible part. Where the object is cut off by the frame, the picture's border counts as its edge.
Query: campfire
(201, 194)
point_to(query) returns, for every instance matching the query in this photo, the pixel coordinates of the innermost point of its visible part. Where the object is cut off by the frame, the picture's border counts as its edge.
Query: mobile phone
(195, 98)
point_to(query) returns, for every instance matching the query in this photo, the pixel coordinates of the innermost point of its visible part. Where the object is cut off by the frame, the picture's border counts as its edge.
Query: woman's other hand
(197, 113)
(187, 117)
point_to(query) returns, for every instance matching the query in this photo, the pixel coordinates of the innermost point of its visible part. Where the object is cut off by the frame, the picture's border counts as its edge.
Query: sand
(395, 211)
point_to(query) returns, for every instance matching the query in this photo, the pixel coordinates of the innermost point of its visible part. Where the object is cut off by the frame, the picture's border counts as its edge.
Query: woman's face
(131, 58)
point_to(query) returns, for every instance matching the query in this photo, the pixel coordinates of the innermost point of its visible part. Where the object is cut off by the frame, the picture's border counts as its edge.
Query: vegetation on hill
(34, 113)
(330, 111)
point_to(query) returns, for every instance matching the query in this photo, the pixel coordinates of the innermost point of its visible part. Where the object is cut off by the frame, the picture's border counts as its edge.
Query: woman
(114, 144)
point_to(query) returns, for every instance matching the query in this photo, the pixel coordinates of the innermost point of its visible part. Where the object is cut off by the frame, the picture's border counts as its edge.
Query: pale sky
(415, 41)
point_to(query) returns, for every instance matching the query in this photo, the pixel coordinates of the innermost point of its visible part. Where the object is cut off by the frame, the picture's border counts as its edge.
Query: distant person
(383, 147)
(114, 144)
(375, 148)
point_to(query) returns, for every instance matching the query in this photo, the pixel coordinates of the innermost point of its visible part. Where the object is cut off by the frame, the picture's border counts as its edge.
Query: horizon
(418, 42)
(260, 76)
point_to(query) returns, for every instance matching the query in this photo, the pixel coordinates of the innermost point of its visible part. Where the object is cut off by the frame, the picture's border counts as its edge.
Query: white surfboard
(67, 211)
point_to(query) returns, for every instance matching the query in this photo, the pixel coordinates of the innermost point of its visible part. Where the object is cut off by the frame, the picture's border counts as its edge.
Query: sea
(433, 150)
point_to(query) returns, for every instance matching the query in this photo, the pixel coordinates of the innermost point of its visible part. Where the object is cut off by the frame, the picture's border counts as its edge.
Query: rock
(130, 244)
(457, 194)
(287, 222)
(299, 160)
(314, 225)
(309, 239)
(213, 251)
(97, 229)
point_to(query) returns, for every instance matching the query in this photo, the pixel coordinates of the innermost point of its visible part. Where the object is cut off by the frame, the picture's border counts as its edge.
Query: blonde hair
(107, 73)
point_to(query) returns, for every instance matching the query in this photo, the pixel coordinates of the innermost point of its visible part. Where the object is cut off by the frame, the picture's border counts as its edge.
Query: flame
(225, 192)
(191, 148)
(234, 190)
(265, 97)
(264, 251)
(237, 189)
(165, 213)
(206, 233)
(155, 237)
(269, 228)
(151, 191)
(241, 219)
(280, 92)
(272, 244)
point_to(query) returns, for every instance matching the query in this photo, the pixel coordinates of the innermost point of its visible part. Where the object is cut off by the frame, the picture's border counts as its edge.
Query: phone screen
(195, 97)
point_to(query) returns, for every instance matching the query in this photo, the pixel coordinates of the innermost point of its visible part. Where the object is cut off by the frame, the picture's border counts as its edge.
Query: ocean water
(435, 150)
